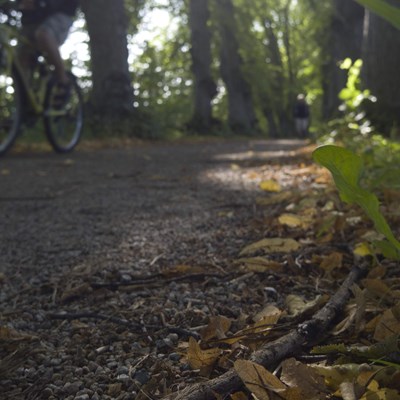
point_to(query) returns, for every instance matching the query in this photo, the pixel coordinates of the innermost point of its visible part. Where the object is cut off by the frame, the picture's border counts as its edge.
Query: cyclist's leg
(50, 35)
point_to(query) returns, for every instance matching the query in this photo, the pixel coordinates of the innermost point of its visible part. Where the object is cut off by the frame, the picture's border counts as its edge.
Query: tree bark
(381, 70)
(345, 40)
(240, 104)
(112, 92)
(205, 88)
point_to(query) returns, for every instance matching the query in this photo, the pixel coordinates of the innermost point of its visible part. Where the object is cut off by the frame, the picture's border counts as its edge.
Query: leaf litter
(224, 312)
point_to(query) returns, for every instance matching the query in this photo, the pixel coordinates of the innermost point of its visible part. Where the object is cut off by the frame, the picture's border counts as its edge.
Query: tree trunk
(381, 70)
(112, 92)
(241, 111)
(345, 41)
(204, 86)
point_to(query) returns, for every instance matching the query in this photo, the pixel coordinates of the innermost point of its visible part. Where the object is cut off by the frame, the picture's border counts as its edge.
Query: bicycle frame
(35, 100)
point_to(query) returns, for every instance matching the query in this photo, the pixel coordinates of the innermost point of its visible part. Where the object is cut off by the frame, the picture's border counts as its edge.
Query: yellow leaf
(362, 250)
(272, 245)
(291, 220)
(199, 358)
(5, 171)
(270, 186)
(257, 379)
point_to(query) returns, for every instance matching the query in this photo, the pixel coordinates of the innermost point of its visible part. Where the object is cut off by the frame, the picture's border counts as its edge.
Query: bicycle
(25, 99)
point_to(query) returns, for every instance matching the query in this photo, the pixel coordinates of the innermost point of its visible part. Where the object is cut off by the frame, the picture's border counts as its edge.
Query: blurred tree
(381, 70)
(344, 40)
(241, 114)
(205, 87)
(112, 92)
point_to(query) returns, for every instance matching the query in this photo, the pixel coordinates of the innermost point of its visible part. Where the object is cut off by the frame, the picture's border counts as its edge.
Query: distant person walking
(301, 116)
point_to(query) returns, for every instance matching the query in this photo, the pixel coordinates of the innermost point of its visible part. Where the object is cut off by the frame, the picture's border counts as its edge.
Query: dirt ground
(142, 240)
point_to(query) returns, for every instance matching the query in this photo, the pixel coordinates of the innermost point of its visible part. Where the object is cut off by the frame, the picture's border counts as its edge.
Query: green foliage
(346, 169)
(352, 95)
(387, 11)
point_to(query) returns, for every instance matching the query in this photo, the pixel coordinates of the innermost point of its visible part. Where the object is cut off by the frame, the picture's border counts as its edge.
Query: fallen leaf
(239, 396)
(268, 311)
(296, 305)
(75, 292)
(270, 186)
(257, 379)
(201, 359)
(272, 245)
(388, 325)
(362, 250)
(331, 262)
(274, 198)
(259, 264)
(290, 220)
(217, 327)
(305, 379)
(376, 287)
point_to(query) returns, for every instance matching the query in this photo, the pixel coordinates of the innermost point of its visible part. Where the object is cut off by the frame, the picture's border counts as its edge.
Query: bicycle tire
(64, 126)
(11, 98)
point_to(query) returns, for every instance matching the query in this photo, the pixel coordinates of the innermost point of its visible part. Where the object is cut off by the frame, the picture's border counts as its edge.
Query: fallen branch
(274, 352)
(120, 321)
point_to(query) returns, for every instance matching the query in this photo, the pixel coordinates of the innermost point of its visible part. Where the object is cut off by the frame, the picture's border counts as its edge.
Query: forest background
(156, 68)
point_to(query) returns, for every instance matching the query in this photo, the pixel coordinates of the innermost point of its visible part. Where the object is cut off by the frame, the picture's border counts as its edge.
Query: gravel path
(140, 241)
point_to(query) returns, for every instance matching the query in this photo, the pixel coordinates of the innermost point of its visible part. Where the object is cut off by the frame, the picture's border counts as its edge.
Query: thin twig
(120, 321)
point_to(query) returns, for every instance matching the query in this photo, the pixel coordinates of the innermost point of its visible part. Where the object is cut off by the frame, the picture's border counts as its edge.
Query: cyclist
(45, 25)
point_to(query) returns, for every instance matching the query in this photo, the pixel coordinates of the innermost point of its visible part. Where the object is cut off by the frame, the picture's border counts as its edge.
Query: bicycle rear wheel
(10, 108)
(63, 124)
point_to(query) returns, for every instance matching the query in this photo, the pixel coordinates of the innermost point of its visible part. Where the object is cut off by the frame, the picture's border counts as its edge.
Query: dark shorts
(57, 24)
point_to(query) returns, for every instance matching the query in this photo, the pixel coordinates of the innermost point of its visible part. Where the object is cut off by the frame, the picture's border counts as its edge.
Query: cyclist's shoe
(62, 95)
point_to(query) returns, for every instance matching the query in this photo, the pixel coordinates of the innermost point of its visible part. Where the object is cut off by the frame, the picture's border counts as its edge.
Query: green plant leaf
(383, 9)
(346, 169)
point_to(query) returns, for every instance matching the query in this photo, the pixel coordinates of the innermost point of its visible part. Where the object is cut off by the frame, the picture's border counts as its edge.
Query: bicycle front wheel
(63, 123)
(10, 108)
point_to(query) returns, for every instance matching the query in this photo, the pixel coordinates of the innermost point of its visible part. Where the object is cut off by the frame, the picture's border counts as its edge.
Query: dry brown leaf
(309, 384)
(296, 305)
(260, 264)
(376, 287)
(291, 220)
(217, 327)
(274, 199)
(239, 396)
(377, 272)
(272, 245)
(331, 262)
(268, 311)
(257, 379)
(199, 358)
(77, 291)
(388, 325)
